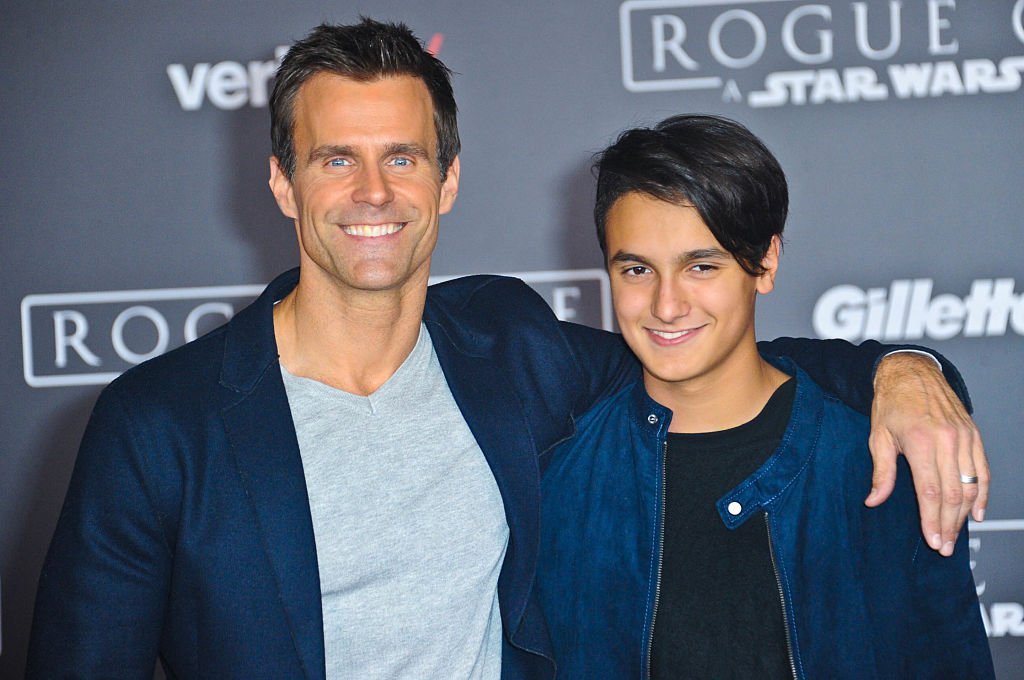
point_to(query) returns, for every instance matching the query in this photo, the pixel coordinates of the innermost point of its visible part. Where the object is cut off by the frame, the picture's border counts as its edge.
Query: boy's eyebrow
(623, 256)
(704, 254)
(688, 256)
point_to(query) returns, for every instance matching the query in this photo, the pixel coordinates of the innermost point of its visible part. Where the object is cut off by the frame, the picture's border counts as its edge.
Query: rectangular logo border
(74, 379)
(626, 43)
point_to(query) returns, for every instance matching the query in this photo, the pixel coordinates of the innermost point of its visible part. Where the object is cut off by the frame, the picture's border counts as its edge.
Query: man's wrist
(901, 364)
(924, 353)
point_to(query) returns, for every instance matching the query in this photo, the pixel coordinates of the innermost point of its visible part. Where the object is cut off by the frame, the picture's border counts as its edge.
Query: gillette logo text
(908, 310)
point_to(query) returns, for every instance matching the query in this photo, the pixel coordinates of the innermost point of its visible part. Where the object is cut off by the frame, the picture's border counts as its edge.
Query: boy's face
(683, 303)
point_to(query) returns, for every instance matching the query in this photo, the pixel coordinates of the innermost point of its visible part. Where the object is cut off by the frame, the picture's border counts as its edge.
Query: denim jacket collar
(782, 468)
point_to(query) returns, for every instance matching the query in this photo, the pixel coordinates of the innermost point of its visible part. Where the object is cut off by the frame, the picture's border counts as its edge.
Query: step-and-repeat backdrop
(136, 213)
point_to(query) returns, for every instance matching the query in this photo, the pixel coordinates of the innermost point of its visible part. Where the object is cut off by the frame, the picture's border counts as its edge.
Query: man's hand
(916, 413)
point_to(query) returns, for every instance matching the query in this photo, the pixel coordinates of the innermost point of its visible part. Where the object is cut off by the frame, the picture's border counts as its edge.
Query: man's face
(683, 303)
(366, 193)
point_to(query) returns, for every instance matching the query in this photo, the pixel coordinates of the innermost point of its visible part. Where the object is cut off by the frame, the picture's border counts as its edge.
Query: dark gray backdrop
(134, 161)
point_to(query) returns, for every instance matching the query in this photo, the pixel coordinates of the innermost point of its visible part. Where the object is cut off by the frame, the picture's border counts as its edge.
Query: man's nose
(372, 187)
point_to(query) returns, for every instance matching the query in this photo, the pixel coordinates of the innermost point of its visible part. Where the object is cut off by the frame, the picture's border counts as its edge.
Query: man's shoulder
(178, 375)
(483, 291)
(230, 356)
(500, 307)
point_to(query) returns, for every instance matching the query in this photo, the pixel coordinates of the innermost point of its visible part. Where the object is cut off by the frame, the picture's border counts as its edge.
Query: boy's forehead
(640, 217)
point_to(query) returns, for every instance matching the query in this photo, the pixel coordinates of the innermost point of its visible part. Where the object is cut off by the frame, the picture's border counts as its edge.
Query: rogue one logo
(908, 311)
(768, 53)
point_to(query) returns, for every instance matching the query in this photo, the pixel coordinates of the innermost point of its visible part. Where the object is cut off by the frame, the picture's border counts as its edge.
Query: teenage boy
(708, 520)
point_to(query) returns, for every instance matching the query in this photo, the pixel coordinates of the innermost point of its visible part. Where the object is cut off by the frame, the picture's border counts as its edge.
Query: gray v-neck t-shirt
(409, 525)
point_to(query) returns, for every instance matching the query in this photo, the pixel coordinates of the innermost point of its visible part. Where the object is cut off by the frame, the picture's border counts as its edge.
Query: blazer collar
(249, 347)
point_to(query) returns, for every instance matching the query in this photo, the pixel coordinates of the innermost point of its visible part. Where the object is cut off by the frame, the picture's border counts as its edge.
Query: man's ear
(770, 265)
(450, 187)
(281, 187)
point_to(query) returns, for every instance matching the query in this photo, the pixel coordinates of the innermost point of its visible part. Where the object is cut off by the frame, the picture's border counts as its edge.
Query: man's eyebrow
(329, 151)
(393, 149)
(406, 149)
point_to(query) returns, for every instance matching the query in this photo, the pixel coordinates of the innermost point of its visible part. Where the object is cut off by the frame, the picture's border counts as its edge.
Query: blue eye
(338, 162)
(401, 162)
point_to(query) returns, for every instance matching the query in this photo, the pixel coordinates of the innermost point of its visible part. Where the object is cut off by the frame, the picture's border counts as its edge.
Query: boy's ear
(770, 265)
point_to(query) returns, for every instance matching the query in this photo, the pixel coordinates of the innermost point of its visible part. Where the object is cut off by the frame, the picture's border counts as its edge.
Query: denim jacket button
(734, 508)
(652, 419)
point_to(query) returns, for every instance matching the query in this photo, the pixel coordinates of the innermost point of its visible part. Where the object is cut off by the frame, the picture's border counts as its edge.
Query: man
(343, 480)
(706, 521)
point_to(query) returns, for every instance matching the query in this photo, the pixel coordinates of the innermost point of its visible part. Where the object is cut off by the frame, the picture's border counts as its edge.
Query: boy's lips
(666, 337)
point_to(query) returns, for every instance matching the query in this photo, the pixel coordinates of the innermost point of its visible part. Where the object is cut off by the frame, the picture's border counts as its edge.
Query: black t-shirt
(719, 611)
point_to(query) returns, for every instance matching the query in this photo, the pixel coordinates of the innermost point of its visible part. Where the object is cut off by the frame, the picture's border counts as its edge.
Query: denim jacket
(862, 595)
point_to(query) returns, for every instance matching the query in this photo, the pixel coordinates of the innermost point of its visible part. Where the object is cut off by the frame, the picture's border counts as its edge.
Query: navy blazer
(186, 532)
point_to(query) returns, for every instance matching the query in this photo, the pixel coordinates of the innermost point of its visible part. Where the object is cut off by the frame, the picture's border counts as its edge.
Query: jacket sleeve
(104, 582)
(848, 370)
(605, 362)
(842, 368)
(949, 634)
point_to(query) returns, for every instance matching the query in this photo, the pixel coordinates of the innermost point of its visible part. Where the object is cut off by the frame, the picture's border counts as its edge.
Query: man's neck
(351, 340)
(729, 396)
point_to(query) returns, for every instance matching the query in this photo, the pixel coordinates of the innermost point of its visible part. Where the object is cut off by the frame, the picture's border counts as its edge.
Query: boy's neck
(733, 394)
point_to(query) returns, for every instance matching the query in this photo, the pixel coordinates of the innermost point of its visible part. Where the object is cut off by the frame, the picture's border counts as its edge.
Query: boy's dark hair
(364, 52)
(711, 163)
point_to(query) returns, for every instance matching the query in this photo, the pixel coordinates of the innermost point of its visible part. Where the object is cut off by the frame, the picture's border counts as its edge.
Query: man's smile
(373, 230)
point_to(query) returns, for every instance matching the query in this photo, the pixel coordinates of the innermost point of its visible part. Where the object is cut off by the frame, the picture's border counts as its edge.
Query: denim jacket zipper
(782, 597)
(661, 554)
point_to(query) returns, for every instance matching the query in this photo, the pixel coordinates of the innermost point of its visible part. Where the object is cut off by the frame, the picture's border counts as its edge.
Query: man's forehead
(335, 109)
(334, 90)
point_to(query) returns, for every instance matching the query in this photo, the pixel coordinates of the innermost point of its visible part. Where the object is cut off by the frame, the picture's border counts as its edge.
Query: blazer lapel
(266, 453)
(495, 416)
